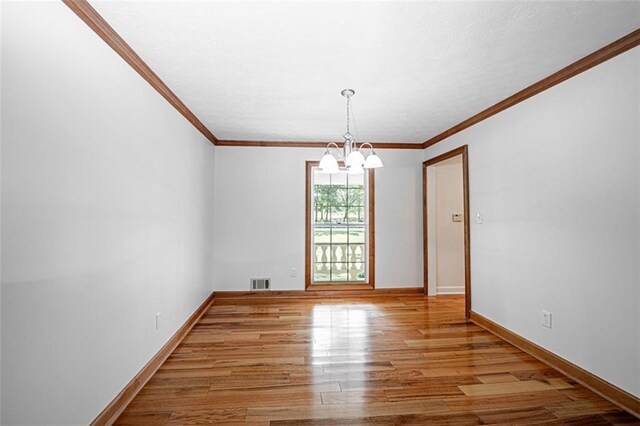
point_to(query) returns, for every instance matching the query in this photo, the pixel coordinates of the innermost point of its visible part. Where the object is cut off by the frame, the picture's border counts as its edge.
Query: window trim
(349, 285)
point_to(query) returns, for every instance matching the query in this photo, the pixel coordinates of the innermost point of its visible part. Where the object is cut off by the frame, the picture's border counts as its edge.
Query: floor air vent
(260, 283)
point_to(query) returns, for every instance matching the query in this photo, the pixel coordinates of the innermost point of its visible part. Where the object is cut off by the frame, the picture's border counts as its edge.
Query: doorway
(445, 193)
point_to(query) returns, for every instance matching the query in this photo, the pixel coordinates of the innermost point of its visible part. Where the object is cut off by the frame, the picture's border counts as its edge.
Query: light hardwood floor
(379, 360)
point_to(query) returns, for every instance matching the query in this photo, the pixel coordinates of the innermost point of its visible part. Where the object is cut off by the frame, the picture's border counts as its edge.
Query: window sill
(342, 286)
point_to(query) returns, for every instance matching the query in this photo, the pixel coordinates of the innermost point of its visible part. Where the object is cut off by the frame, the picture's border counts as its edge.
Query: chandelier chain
(348, 108)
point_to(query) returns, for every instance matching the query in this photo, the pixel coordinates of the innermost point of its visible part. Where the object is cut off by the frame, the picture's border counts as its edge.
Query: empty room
(319, 212)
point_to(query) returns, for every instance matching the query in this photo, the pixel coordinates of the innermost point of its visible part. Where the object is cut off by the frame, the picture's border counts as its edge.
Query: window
(339, 227)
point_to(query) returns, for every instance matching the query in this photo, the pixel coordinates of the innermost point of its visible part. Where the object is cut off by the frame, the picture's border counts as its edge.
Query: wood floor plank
(353, 397)
(494, 402)
(155, 418)
(497, 378)
(517, 416)
(207, 416)
(504, 388)
(453, 419)
(380, 361)
(348, 410)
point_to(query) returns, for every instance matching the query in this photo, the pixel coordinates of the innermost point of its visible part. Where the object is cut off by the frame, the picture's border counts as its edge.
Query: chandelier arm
(362, 145)
(337, 149)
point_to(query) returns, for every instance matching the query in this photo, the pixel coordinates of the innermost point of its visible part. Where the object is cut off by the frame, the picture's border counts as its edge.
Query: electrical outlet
(158, 323)
(546, 319)
(293, 272)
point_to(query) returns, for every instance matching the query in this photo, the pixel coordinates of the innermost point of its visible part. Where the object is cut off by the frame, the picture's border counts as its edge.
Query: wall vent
(260, 284)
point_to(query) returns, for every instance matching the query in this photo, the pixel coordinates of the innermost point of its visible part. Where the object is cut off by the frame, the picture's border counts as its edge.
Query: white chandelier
(351, 154)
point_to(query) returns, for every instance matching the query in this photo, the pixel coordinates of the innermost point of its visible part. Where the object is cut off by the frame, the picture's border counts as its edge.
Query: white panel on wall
(432, 231)
(557, 179)
(260, 223)
(399, 220)
(106, 218)
(449, 235)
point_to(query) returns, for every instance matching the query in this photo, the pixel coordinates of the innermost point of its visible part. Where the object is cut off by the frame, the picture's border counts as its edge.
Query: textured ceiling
(274, 70)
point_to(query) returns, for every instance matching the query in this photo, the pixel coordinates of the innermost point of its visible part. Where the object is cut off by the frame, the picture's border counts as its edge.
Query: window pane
(357, 272)
(322, 272)
(338, 215)
(340, 196)
(353, 252)
(321, 214)
(356, 234)
(339, 179)
(316, 254)
(355, 214)
(356, 196)
(320, 178)
(322, 254)
(356, 179)
(356, 252)
(322, 235)
(339, 235)
(321, 200)
(339, 272)
(339, 253)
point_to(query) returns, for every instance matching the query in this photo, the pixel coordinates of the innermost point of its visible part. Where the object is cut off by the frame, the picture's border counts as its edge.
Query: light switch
(479, 218)
(456, 217)
(546, 319)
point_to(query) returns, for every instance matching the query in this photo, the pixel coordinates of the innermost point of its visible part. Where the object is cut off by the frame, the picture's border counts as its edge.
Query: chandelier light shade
(328, 161)
(356, 169)
(354, 158)
(372, 161)
(352, 155)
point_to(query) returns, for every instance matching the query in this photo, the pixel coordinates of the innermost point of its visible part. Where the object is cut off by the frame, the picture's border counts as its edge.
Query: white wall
(260, 223)
(557, 179)
(1, 8)
(106, 218)
(449, 235)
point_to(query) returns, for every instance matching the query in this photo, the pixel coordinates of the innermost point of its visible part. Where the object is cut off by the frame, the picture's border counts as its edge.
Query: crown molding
(92, 18)
(612, 50)
(301, 144)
